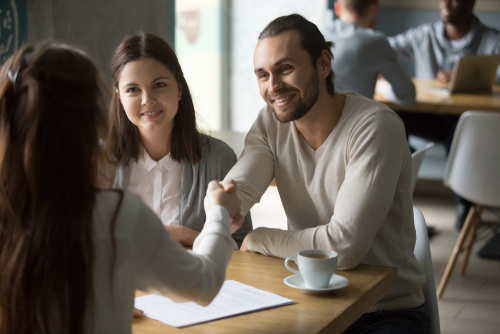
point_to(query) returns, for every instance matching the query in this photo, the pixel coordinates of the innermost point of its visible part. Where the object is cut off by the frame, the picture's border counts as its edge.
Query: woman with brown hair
(72, 256)
(160, 153)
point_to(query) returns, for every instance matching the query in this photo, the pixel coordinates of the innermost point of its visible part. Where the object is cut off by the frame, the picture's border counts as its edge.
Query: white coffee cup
(316, 266)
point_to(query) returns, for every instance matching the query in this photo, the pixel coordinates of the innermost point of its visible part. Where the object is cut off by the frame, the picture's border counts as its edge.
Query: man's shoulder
(361, 110)
(488, 32)
(352, 32)
(423, 31)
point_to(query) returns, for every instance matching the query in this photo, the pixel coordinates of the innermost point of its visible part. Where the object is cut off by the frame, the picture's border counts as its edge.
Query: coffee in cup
(316, 266)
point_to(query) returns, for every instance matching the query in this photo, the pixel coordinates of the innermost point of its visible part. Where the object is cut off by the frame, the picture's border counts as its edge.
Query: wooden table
(330, 313)
(434, 102)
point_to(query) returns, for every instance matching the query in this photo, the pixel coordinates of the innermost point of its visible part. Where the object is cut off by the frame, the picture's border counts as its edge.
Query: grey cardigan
(217, 158)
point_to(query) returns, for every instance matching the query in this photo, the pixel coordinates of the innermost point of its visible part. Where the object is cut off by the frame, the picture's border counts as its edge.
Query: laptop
(473, 74)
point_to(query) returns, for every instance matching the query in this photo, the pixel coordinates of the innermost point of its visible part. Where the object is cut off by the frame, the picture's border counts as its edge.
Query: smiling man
(342, 167)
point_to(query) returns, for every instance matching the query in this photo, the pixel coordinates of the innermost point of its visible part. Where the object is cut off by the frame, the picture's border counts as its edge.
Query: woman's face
(149, 94)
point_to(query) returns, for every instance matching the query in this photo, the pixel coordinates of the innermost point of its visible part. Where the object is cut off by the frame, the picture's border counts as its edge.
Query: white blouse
(158, 185)
(148, 259)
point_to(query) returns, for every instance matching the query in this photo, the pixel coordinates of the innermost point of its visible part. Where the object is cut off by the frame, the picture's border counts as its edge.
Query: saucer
(336, 282)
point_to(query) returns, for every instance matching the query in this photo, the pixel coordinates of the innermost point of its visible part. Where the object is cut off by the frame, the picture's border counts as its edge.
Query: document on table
(233, 298)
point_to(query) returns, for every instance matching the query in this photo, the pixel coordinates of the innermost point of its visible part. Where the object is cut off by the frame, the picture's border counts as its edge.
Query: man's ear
(337, 8)
(324, 64)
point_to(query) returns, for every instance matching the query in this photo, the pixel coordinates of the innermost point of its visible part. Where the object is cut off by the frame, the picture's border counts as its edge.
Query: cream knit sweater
(352, 195)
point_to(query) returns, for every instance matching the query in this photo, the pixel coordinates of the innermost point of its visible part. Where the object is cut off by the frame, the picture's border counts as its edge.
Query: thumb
(214, 185)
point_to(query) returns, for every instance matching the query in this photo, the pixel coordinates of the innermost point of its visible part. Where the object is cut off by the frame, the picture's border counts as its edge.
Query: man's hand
(217, 195)
(237, 220)
(444, 76)
(181, 234)
(244, 244)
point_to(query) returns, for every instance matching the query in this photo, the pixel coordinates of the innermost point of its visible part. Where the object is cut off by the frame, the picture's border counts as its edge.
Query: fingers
(229, 185)
(138, 313)
(214, 185)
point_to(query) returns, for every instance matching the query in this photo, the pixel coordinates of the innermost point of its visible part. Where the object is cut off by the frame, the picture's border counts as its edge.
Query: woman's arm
(164, 265)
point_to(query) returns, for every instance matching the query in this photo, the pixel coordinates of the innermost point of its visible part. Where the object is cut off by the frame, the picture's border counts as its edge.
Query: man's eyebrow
(280, 61)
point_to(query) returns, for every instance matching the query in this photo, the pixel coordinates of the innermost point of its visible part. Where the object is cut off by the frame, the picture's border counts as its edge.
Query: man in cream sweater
(342, 167)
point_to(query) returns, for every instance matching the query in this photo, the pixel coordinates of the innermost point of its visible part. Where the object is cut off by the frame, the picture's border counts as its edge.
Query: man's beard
(304, 105)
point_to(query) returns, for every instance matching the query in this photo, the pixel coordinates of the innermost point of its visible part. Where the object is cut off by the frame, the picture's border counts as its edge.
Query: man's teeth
(152, 113)
(283, 99)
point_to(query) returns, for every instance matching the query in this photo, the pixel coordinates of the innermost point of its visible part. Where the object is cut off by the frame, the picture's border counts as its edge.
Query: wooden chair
(473, 172)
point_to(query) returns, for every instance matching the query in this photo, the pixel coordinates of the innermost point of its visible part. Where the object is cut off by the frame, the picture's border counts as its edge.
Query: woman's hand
(181, 234)
(218, 195)
(138, 313)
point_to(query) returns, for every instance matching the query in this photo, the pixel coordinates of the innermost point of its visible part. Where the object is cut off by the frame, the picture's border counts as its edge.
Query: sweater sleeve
(165, 266)
(402, 90)
(254, 171)
(402, 44)
(224, 158)
(377, 151)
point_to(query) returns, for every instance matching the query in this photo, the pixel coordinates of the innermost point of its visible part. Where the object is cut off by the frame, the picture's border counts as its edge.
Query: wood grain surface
(330, 313)
(428, 100)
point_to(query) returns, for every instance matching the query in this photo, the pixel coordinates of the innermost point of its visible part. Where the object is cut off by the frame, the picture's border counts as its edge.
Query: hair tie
(13, 76)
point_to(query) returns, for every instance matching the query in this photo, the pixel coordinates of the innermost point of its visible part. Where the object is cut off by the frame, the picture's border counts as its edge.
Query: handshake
(224, 193)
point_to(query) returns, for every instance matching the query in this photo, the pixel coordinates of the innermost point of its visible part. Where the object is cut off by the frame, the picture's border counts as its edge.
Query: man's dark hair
(358, 7)
(311, 40)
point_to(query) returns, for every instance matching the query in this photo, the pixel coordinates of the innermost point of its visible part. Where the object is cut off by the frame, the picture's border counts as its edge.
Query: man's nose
(275, 84)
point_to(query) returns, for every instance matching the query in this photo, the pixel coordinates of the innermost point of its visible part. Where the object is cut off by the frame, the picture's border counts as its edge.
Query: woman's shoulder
(107, 203)
(216, 148)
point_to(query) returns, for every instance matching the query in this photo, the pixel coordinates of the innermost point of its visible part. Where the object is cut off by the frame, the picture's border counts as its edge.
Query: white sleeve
(164, 265)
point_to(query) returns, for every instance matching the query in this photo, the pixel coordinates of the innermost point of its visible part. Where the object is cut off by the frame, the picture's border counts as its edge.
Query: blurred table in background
(430, 100)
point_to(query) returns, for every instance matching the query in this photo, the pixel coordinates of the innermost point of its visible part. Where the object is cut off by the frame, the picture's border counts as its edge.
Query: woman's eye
(160, 85)
(286, 69)
(262, 75)
(131, 90)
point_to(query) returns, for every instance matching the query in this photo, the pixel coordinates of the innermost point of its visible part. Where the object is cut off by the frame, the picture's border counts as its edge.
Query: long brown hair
(124, 140)
(51, 121)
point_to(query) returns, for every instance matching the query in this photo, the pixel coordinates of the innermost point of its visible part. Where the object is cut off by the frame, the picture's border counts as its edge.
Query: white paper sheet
(233, 298)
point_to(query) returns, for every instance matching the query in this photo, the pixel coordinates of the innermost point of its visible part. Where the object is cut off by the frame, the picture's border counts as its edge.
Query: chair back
(473, 167)
(417, 157)
(423, 254)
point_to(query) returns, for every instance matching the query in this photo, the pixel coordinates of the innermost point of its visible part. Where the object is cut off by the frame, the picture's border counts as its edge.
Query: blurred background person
(434, 48)
(362, 54)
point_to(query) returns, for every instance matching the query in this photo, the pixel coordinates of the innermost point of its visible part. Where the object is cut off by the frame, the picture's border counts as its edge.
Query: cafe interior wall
(97, 26)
